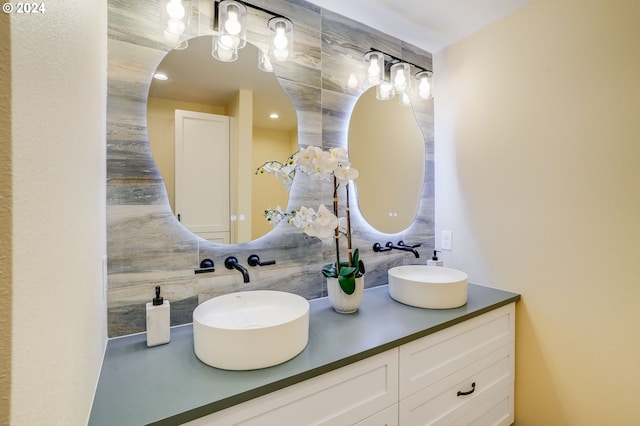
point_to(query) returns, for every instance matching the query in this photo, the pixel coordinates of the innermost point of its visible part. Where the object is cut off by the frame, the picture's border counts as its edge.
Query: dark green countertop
(168, 385)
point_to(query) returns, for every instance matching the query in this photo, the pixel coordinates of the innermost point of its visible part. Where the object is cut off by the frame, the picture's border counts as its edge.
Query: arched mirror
(211, 124)
(387, 147)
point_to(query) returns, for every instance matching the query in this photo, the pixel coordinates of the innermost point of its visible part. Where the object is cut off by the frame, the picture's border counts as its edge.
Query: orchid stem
(337, 230)
(349, 228)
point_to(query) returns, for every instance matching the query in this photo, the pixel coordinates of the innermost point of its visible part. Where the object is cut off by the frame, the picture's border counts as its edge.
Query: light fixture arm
(395, 59)
(216, 6)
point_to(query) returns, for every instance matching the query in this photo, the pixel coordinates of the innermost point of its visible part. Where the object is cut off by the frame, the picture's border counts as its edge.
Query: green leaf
(329, 271)
(347, 279)
(347, 271)
(359, 264)
(347, 284)
(356, 256)
(360, 268)
(347, 276)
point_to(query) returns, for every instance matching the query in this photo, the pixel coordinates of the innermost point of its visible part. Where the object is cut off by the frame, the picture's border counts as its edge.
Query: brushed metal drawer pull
(473, 388)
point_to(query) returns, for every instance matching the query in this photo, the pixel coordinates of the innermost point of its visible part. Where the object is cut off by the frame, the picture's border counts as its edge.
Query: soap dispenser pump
(158, 320)
(434, 261)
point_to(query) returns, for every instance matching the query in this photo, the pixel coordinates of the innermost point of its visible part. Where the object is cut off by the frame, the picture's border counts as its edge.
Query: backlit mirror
(211, 124)
(387, 147)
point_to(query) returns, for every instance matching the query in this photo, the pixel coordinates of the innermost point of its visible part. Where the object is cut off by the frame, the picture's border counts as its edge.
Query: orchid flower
(345, 174)
(285, 172)
(322, 224)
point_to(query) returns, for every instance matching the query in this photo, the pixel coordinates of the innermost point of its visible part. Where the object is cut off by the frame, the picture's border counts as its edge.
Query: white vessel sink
(433, 287)
(251, 329)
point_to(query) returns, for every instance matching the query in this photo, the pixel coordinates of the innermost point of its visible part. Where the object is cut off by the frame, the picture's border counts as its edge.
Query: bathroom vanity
(388, 364)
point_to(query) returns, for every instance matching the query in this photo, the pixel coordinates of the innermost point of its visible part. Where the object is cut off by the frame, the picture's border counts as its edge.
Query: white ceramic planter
(342, 302)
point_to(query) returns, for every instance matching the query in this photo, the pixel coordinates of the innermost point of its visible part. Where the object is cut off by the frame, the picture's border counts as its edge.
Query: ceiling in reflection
(195, 76)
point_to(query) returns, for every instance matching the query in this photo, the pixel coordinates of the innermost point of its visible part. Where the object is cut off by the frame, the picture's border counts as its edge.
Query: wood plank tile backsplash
(147, 246)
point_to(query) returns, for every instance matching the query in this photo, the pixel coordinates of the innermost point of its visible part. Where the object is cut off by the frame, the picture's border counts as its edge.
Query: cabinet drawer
(441, 402)
(495, 409)
(437, 356)
(341, 397)
(387, 417)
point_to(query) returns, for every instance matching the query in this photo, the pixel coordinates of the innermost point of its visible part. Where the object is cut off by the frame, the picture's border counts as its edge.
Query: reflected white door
(202, 173)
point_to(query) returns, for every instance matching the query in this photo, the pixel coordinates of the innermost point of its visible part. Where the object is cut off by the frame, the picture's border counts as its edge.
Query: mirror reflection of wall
(269, 193)
(387, 147)
(199, 83)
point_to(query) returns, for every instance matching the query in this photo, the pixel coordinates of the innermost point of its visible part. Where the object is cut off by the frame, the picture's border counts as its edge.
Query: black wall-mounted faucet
(232, 263)
(377, 247)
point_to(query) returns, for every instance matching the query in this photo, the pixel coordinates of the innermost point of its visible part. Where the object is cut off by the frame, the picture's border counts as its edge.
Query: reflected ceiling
(195, 76)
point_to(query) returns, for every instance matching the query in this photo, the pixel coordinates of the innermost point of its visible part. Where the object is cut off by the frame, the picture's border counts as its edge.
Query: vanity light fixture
(175, 9)
(176, 14)
(274, 116)
(222, 51)
(385, 91)
(375, 69)
(230, 22)
(232, 28)
(231, 16)
(280, 38)
(264, 63)
(399, 76)
(425, 84)
(404, 99)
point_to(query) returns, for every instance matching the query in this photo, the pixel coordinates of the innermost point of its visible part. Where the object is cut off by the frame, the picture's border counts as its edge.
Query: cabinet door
(496, 409)
(460, 375)
(341, 397)
(437, 356)
(471, 389)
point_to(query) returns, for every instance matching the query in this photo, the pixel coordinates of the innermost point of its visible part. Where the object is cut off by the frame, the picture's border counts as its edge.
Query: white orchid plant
(328, 165)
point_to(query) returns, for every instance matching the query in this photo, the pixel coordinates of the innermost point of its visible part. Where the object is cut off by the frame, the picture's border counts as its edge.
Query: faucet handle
(254, 260)
(377, 247)
(205, 266)
(402, 244)
(230, 261)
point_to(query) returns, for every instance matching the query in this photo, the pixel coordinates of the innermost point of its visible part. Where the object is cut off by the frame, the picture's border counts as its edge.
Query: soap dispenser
(434, 260)
(158, 320)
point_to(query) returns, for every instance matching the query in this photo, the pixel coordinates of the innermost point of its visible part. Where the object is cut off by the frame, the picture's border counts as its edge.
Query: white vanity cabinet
(463, 374)
(388, 365)
(364, 393)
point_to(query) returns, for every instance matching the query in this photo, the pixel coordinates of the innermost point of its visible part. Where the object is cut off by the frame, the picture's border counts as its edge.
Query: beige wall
(5, 219)
(58, 113)
(537, 174)
(241, 136)
(267, 191)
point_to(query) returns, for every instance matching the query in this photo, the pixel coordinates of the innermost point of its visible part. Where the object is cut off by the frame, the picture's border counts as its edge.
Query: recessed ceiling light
(274, 116)
(160, 76)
